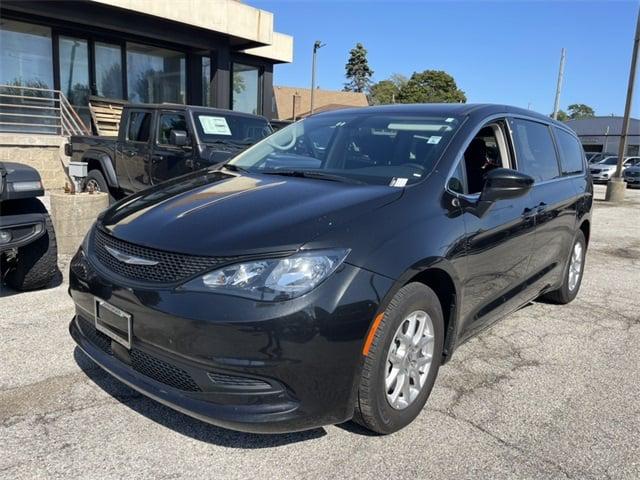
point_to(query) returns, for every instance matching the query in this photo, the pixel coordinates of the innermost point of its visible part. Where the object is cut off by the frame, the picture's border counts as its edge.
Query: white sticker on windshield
(398, 182)
(434, 139)
(449, 120)
(214, 125)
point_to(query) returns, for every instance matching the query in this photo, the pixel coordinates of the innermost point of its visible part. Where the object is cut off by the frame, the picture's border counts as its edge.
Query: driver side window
(487, 151)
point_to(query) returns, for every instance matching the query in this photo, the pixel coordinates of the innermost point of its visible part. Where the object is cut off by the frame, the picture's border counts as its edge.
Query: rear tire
(376, 409)
(36, 263)
(95, 179)
(572, 277)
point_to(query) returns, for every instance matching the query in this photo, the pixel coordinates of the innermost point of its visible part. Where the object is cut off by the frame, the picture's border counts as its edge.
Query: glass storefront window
(108, 60)
(155, 75)
(74, 74)
(207, 90)
(26, 55)
(245, 90)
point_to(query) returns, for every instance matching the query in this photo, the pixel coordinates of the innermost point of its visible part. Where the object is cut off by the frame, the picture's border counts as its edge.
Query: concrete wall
(45, 153)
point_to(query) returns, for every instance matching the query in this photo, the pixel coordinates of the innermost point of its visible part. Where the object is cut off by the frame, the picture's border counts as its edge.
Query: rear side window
(571, 156)
(535, 150)
(139, 127)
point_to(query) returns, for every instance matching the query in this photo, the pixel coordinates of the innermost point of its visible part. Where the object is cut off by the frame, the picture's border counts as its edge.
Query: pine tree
(357, 70)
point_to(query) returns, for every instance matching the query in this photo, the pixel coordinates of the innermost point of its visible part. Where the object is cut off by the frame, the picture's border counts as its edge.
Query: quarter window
(139, 127)
(571, 155)
(535, 150)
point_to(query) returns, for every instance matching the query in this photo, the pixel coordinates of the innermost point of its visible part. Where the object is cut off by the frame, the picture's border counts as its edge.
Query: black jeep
(28, 251)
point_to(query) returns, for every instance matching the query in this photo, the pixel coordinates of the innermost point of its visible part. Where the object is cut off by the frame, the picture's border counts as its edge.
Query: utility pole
(318, 44)
(616, 186)
(556, 105)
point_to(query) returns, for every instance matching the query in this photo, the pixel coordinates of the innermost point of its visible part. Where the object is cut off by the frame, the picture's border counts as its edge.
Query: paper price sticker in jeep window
(214, 125)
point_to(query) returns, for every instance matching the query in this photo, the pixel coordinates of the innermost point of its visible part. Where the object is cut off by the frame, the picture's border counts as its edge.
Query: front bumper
(632, 181)
(601, 177)
(252, 366)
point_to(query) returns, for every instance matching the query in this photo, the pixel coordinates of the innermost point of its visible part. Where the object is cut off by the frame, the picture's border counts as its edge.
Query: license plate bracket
(113, 322)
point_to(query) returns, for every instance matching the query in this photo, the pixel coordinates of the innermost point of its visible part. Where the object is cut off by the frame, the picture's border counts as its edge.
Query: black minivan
(328, 271)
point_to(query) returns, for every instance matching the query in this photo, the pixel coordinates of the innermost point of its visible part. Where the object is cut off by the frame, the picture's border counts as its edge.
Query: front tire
(402, 362)
(36, 264)
(572, 278)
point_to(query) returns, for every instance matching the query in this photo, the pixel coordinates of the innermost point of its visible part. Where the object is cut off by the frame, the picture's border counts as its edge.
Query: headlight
(25, 186)
(271, 279)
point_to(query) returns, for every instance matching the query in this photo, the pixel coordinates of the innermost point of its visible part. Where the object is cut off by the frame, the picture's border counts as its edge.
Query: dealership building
(602, 134)
(57, 56)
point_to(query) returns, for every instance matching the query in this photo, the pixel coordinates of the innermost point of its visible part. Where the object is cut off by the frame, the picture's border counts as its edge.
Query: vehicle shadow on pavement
(7, 291)
(180, 422)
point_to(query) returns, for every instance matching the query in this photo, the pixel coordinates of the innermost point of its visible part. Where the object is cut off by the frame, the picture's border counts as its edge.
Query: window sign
(214, 125)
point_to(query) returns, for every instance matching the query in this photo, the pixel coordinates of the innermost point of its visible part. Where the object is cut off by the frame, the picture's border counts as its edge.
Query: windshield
(609, 161)
(234, 128)
(374, 148)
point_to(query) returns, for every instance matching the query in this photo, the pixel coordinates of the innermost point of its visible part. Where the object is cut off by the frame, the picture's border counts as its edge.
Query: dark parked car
(159, 142)
(28, 250)
(327, 272)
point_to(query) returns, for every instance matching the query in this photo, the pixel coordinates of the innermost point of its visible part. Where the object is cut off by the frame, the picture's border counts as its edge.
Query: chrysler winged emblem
(129, 259)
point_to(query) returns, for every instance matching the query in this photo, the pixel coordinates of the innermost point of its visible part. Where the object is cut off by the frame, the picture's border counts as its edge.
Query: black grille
(632, 174)
(233, 381)
(162, 372)
(171, 267)
(144, 363)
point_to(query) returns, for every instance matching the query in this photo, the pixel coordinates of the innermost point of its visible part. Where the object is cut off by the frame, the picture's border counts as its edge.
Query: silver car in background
(602, 171)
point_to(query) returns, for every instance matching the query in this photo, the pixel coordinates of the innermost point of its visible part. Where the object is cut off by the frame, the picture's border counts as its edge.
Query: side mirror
(178, 138)
(505, 183)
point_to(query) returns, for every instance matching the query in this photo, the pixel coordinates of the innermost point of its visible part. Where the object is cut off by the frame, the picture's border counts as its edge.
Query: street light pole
(616, 186)
(556, 104)
(318, 44)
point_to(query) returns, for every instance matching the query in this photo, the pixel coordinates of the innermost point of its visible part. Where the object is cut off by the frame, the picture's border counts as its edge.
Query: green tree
(431, 86)
(562, 116)
(580, 110)
(383, 93)
(357, 70)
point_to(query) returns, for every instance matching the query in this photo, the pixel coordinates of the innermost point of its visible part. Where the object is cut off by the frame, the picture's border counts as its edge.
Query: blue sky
(498, 51)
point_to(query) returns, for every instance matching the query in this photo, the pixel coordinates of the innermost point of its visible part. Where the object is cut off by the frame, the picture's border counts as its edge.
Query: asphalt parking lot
(549, 392)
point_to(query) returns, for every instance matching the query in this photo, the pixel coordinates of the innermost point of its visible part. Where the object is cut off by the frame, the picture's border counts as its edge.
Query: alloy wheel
(575, 266)
(409, 359)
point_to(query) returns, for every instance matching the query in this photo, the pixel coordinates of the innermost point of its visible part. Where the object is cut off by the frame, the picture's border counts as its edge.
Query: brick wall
(45, 153)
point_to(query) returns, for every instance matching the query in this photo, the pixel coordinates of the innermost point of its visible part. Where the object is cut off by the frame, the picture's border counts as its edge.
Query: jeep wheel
(96, 182)
(36, 264)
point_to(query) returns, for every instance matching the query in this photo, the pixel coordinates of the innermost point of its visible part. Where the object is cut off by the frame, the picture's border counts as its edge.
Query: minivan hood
(214, 213)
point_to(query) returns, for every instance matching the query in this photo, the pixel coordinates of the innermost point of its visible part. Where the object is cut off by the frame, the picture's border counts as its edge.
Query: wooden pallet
(106, 114)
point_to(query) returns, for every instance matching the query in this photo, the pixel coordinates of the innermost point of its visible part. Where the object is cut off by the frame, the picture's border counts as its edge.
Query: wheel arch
(585, 226)
(101, 161)
(440, 276)
(444, 286)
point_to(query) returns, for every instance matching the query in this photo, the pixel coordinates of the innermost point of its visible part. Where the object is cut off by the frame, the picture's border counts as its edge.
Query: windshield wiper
(234, 168)
(229, 143)
(313, 174)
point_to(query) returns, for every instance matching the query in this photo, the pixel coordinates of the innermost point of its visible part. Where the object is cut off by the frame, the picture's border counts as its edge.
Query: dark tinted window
(169, 122)
(535, 150)
(570, 152)
(139, 127)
